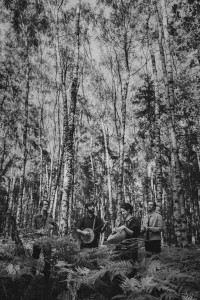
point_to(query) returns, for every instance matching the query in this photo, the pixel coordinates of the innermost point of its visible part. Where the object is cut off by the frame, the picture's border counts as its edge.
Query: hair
(42, 203)
(127, 206)
(89, 204)
(154, 204)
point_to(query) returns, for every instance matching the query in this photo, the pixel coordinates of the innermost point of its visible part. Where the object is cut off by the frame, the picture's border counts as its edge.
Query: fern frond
(62, 264)
(122, 268)
(119, 297)
(73, 284)
(93, 277)
(83, 271)
(141, 297)
(66, 270)
(25, 271)
(132, 285)
(148, 284)
(153, 267)
(169, 296)
(187, 297)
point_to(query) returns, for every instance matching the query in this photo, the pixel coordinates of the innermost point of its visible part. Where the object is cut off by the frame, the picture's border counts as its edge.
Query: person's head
(151, 206)
(90, 207)
(126, 209)
(44, 205)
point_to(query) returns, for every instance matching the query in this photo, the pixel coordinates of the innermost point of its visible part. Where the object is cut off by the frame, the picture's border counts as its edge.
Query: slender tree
(178, 198)
(69, 130)
(157, 128)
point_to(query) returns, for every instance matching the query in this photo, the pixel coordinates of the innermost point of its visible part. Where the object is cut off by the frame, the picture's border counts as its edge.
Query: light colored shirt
(154, 222)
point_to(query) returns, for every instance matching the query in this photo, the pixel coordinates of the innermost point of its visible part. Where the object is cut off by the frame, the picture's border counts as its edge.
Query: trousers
(153, 246)
(46, 248)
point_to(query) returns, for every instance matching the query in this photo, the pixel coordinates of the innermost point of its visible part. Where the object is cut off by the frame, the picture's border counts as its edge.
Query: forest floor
(98, 274)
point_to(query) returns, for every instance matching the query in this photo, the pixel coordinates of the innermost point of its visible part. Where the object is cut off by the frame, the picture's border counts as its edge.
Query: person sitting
(131, 227)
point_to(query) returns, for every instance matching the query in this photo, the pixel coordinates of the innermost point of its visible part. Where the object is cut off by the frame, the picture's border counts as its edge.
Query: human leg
(153, 247)
(47, 259)
(36, 251)
(36, 255)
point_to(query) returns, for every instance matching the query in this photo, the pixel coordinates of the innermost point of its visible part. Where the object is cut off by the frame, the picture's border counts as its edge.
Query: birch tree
(69, 129)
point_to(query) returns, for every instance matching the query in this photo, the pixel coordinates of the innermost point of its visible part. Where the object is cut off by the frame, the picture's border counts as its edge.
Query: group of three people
(151, 225)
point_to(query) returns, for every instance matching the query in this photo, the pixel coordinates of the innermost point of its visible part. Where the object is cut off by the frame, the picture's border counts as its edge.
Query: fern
(148, 284)
(154, 266)
(65, 295)
(83, 271)
(144, 285)
(141, 297)
(187, 297)
(93, 277)
(169, 296)
(121, 268)
(132, 285)
(174, 274)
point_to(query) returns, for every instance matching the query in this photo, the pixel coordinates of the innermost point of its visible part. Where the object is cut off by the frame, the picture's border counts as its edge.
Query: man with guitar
(44, 226)
(90, 227)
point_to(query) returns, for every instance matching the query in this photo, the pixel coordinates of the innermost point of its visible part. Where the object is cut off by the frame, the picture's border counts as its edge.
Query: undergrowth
(98, 274)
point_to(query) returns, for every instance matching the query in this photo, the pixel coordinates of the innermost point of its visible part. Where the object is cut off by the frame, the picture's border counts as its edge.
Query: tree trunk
(178, 198)
(69, 129)
(110, 207)
(10, 205)
(157, 130)
(25, 132)
(124, 95)
(93, 171)
(168, 59)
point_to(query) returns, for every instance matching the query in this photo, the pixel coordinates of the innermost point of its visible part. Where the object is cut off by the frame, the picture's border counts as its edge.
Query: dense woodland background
(99, 101)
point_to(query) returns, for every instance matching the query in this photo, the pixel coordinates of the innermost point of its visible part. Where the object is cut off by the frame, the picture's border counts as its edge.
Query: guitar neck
(97, 228)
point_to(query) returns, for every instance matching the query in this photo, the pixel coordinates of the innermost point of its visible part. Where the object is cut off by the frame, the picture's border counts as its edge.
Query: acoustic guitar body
(117, 237)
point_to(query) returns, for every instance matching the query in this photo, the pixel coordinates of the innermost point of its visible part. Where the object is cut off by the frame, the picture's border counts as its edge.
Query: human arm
(132, 227)
(53, 226)
(144, 224)
(80, 229)
(104, 226)
(51, 222)
(99, 225)
(128, 231)
(157, 227)
(82, 232)
(37, 223)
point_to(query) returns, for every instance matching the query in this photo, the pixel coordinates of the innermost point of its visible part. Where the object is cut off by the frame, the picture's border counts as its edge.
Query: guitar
(116, 236)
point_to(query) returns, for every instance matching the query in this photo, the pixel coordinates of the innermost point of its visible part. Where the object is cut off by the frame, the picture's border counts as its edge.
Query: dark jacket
(45, 222)
(90, 222)
(134, 225)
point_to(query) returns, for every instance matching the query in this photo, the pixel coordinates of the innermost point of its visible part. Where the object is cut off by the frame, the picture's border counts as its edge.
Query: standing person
(95, 223)
(44, 225)
(152, 225)
(131, 226)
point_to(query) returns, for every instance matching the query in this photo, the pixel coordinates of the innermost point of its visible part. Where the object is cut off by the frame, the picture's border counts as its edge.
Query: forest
(99, 101)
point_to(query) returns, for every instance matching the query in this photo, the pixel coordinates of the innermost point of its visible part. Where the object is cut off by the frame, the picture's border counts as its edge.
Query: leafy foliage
(174, 274)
